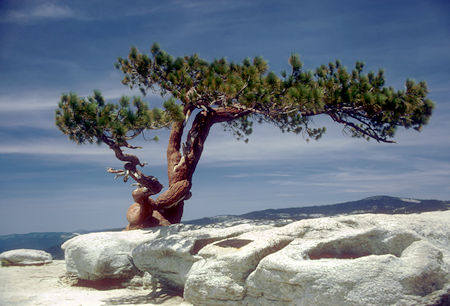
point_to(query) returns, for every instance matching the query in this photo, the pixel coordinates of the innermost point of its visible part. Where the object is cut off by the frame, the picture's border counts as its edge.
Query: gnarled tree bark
(182, 160)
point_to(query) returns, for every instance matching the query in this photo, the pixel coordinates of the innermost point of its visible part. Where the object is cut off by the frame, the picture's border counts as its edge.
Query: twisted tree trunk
(182, 159)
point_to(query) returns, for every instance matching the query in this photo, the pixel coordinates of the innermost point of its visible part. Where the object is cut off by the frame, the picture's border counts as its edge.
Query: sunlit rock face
(367, 268)
(25, 257)
(170, 258)
(104, 255)
(349, 260)
(368, 259)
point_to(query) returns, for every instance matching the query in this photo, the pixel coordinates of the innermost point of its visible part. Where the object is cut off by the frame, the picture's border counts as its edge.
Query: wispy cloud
(35, 109)
(268, 144)
(205, 6)
(427, 175)
(42, 11)
(51, 147)
(259, 174)
(28, 101)
(61, 148)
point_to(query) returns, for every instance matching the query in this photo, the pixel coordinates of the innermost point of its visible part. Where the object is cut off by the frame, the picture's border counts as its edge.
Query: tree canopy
(236, 95)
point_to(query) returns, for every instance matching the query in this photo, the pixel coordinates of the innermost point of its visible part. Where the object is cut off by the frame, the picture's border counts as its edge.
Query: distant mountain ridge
(47, 241)
(373, 205)
(51, 241)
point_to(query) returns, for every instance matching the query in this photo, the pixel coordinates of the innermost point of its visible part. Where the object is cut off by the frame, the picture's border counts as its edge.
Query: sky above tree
(47, 48)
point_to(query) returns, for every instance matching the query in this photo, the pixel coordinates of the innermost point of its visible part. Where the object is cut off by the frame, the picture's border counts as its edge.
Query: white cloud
(52, 147)
(35, 109)
(50, 10)
(48, 99)
(65, 150)
(269, 144)
(28, 101)
(259, 174)
(423, 176)
(42, 11)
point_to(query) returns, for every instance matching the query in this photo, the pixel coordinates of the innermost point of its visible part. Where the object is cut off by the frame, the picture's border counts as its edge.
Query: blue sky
(49, 183)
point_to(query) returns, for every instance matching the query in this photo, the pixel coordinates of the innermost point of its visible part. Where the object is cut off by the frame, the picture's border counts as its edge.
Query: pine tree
(235, 95)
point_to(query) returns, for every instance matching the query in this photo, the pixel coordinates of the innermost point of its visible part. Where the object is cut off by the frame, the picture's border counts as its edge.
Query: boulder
(107, 255)
(350, 260)
(225, 265)
(340, 272)
(170, 258)
(25, 257)
(367, 259)
(104, 255)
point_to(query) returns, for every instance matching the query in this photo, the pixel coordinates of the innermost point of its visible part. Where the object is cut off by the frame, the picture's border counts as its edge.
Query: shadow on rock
(158, 297)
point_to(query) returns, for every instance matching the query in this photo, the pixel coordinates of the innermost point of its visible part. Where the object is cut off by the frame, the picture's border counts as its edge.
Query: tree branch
(130, 167)
(134, 135)
(367, 131)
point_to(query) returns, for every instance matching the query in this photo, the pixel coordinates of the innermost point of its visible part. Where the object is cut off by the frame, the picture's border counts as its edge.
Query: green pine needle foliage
(92, 120)
(360, 101)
